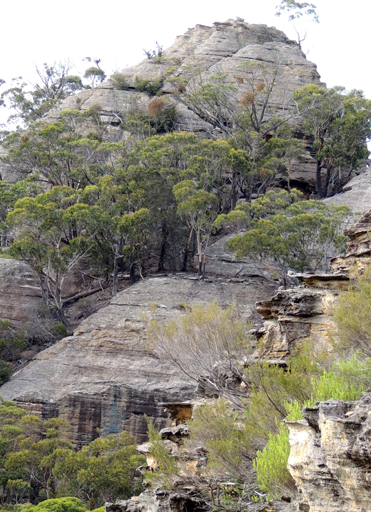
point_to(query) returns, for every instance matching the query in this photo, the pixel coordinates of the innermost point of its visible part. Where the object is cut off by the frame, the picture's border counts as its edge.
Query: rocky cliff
(20, 294)
(223, 48)
(330, 457)
(106, 376)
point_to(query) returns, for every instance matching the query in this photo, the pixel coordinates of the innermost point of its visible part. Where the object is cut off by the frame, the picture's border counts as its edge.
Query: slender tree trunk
(115, 287)
(319, 180)
(116, 267)
(132, 273)
(164, 235)
(328, 176)
(186, 251)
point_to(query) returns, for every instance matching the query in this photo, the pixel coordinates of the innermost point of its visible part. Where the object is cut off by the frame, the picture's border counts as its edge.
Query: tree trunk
(132, 273)
(186, 251)
(115, 287)
(319, 180)
(164, 235)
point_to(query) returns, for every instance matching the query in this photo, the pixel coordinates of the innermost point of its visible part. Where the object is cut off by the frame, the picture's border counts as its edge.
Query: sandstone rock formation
(295, 314)
(222, 48)
(330, 457)
(105, 376)
(20, 294)
(356, 193)
(358, 255)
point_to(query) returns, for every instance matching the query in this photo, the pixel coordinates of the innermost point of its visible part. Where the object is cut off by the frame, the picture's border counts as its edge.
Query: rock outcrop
(223, 48)
(356, 193)
(105, 377)
(296, 314)
(330, 457)
(20, 294)
(358, 255)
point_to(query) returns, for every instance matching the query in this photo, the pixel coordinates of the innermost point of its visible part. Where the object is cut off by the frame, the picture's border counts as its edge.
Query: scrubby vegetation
(152, 202)
(38, 463)
(244, 429)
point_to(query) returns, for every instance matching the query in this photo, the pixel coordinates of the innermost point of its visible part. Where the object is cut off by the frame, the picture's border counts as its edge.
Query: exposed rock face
(357, 192)
(296, 314)
(358, 255)
(20, 294)
(222, 48)
(330, 457)
(105, 376)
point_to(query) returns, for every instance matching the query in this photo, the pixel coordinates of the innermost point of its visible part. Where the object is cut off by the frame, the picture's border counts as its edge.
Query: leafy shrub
(156, 106)
(352, 316)
(339, 383)
(61, 329)
(120, 82)
(151, 87)
(60, 505)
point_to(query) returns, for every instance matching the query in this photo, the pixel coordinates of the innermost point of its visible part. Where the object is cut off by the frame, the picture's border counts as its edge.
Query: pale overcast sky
(116, 31)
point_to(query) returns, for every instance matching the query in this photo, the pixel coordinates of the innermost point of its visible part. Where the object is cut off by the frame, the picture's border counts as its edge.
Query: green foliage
(223, 433)
(30, 102)
(12, 342)
(297, 9)
(151, 87)
(154, 53)
(5, 371)
(340, 126)
(61, 329)
(208, 343)
(119, 81)
(341, 383)
(37, 463)
(352, 316)
(166, 465)
(60, 505)
(270, 465)
(302, 236)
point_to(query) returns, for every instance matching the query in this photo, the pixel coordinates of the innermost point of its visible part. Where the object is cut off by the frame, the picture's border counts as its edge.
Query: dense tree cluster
(39, 463)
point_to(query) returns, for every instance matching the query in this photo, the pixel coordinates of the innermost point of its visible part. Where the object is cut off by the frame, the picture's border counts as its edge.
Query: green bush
(60, 505)
(61, 329)
(151, 87)
(341, 383)
(119, 81)
(352, 316)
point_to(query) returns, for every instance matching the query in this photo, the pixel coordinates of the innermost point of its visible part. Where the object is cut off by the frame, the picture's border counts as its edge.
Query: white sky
(116, 31)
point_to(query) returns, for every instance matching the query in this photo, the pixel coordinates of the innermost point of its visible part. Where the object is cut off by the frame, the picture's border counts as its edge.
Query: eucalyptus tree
(339, 127)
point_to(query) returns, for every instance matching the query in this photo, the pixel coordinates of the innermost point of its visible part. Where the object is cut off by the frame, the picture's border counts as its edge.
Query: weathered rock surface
(20, 294)
(330, 457)
(105, 376)
(222, 48)
(292, 316)
(296, 314)
(356, 193)
(358, 255)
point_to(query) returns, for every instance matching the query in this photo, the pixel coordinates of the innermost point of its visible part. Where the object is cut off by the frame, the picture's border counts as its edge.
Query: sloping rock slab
(105, 377)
